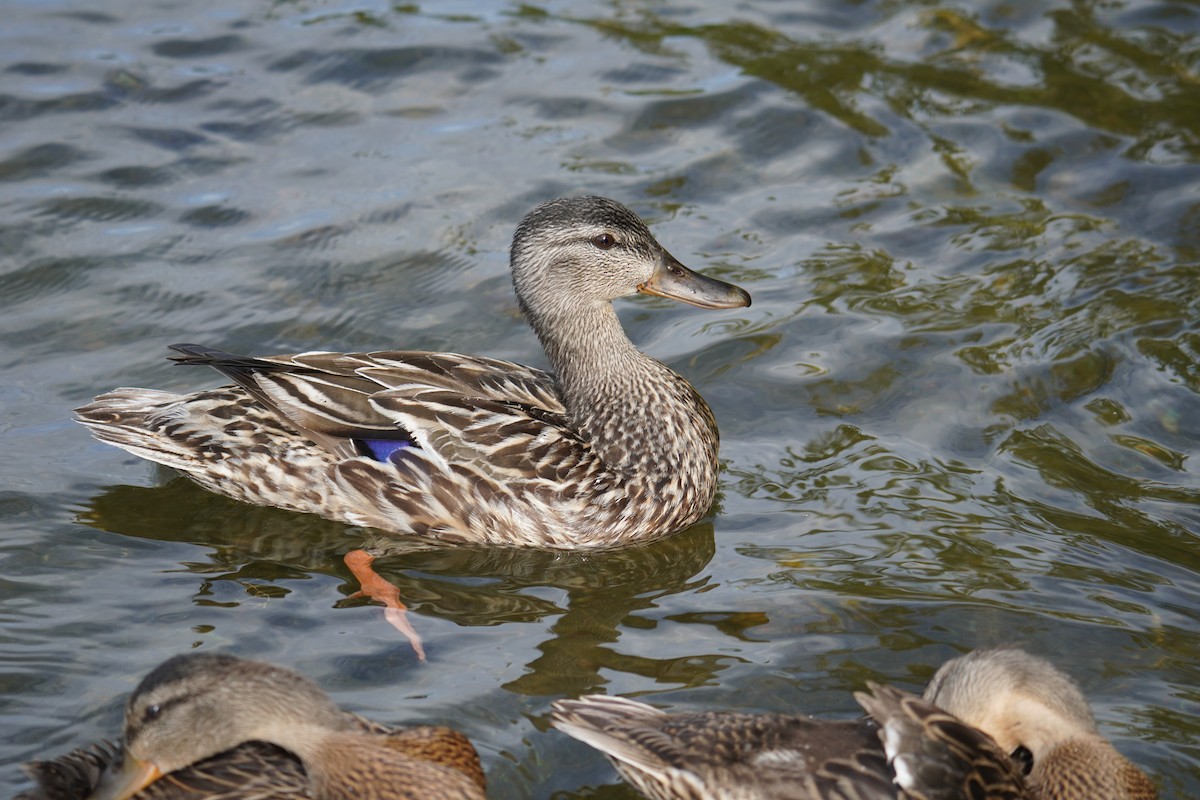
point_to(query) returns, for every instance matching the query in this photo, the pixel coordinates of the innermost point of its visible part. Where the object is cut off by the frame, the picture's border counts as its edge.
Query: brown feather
(611, 448)
(209, 703)
(909, 748)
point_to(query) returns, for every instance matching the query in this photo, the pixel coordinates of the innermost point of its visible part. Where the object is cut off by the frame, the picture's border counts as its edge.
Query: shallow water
(962, 410)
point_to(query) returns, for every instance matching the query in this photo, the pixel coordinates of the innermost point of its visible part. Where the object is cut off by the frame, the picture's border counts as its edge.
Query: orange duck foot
(376, 588)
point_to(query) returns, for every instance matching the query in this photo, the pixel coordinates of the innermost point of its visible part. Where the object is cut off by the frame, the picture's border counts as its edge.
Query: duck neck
(351, 765)
(305, 739)
(1056, 774)
(319, 748)
(594, 361)
(640, 416)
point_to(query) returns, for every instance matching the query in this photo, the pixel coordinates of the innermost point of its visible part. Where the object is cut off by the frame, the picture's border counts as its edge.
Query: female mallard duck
(612, 447)
(953, 743)
(217, 727)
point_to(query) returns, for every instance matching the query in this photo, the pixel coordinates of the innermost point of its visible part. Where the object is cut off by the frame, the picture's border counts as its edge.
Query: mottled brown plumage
(218, 727)
(1025, 703)
(993, 725)
(612, 447)
(71, 776)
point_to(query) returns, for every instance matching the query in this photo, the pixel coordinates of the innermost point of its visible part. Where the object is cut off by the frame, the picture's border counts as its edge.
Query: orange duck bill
(673, 280)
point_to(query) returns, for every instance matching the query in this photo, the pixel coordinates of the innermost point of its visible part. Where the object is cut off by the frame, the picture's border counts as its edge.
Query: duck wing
(341, 400)
(936, 756)
(69, 776)
(725, 755)
(251, 771)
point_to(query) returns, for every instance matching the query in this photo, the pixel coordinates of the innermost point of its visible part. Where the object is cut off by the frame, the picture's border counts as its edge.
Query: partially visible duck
(207, 725)
(611, 447)
(992, 725)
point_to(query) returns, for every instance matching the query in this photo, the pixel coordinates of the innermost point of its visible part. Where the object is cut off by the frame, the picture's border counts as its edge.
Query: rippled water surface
(962, 410)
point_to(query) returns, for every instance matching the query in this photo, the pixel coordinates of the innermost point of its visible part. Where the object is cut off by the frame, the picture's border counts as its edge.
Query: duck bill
(133, 776)
(675, 281)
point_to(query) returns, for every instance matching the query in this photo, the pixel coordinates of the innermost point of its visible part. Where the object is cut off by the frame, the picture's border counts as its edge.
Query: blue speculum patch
(382, 449)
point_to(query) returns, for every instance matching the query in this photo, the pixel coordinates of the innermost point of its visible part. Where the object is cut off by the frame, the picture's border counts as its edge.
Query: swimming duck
(612, 447)
(205, 725)
(992, 724)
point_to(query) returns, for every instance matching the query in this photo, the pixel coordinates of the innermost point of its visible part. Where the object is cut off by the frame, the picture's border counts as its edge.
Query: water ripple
(961, 410)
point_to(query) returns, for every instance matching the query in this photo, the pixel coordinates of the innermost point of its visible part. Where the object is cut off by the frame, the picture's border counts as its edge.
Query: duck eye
(152, 712)
(1024, 759)
(604, 241)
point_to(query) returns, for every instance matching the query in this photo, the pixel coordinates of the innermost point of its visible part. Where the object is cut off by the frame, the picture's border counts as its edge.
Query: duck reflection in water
(264, 549)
